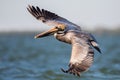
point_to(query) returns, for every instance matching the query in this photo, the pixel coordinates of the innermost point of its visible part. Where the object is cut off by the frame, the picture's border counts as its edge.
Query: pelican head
(53, 31)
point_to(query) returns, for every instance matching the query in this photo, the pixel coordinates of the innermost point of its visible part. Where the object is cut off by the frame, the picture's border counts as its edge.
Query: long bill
(47, 33)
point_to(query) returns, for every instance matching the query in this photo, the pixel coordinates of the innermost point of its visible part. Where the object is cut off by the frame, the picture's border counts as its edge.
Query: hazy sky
(87, 13)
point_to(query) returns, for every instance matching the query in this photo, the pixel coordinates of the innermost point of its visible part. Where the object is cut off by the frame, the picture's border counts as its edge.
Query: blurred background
(24, 58)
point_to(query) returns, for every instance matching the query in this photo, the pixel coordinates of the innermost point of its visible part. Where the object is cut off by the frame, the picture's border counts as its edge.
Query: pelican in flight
(82, 54)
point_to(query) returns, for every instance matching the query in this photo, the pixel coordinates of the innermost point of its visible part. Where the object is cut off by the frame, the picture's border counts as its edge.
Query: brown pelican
(82, 42)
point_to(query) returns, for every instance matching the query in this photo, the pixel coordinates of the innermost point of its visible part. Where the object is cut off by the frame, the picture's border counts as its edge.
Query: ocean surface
(24, 58)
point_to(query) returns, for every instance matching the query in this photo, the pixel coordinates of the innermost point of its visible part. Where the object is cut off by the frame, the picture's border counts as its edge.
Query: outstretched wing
(81, 57)
(48, 17)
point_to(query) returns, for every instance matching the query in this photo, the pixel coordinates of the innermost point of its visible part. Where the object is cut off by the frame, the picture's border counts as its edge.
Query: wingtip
(64, 70)
(28, 6)
(67, 71)
(98, 49)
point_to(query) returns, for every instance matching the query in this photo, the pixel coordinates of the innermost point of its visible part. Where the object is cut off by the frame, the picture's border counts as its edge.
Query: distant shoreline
(96, 31)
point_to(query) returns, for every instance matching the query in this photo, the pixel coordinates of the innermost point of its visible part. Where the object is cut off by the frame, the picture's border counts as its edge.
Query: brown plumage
(82, 43)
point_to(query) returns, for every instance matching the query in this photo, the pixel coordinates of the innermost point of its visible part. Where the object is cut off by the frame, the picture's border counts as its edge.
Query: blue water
(24, 58)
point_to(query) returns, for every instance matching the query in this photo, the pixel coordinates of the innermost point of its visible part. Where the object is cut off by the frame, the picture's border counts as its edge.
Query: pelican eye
(56, 27)
(61, 28)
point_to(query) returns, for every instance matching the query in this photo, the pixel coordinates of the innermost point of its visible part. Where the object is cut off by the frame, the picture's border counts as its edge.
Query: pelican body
(82, 54)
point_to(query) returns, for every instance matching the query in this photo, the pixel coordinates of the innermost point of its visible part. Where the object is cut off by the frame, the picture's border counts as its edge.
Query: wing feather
(81, 58)
(48, 17)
